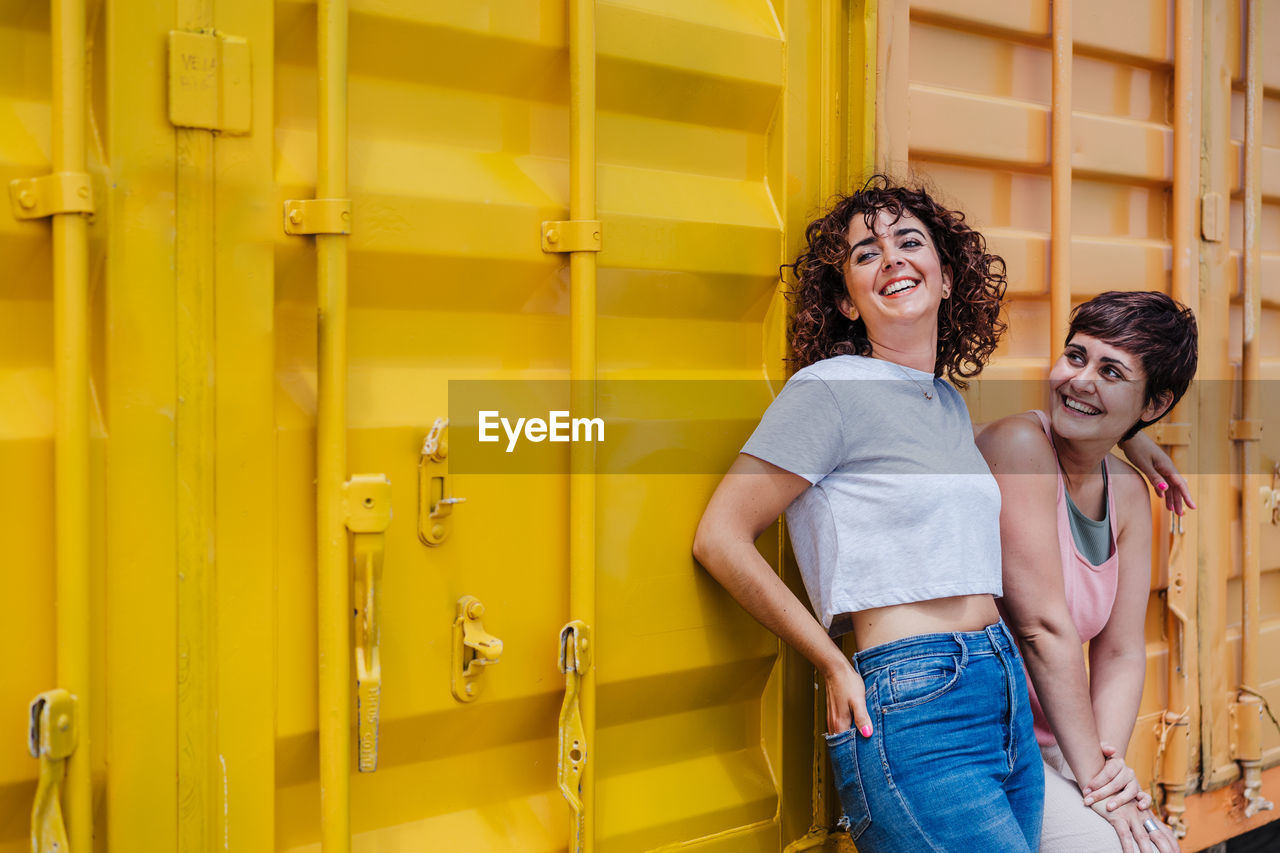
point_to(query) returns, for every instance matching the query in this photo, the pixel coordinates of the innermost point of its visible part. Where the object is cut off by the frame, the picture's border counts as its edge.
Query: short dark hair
(1161, 332)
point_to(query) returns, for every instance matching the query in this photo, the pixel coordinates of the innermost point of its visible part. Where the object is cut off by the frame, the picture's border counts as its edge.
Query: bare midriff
(881, 625)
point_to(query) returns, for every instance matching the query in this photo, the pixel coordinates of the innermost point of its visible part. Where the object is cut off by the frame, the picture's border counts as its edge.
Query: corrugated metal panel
(978, 92)
(721, 125)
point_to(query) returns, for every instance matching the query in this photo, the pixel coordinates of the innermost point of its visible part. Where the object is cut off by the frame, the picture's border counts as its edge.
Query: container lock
(474, 648)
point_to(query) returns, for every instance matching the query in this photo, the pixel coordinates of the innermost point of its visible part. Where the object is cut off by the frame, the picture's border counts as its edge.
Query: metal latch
(571, 235)
(474, 648)
(46, 195)
(1271, 496)
(575, 661)
(435, 495)
(368, 512)
(209, 83)
(51, 738)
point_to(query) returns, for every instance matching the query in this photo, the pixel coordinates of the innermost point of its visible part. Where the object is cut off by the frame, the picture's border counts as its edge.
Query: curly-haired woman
(895, 522)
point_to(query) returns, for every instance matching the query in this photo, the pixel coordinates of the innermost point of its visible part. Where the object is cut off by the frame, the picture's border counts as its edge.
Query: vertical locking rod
(333, 582)
(1249, 703)
(1181, 625)
(71, 409)
(582, 373)
(1060, 178)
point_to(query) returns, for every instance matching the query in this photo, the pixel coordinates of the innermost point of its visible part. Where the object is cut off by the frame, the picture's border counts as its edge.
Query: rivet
(468, 688)
(26, 199)
(83, 192)
(295, 216)
(437, 532)
(553, 236)
(64, 722)
(346, 214)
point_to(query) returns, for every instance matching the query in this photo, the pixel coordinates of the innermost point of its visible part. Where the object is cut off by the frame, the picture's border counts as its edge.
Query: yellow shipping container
(258, 253)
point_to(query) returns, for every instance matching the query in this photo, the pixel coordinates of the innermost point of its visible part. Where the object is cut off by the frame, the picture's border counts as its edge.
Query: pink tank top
(1091, 590)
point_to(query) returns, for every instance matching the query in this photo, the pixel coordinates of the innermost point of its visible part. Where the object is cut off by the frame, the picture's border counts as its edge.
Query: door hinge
(209, 82)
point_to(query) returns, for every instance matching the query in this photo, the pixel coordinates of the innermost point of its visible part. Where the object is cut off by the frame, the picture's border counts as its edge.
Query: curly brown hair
(969, 324)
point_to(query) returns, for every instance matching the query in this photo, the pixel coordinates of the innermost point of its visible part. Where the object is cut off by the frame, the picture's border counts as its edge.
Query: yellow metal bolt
(83, 192)
(346, 215)
(64, 722)
(437, 531)
(26, 199)
(553, 236)
(475, 610)
(295, 216)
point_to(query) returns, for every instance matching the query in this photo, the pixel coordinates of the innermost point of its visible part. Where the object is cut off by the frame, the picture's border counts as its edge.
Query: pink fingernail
(866, 730)
(1162, 486)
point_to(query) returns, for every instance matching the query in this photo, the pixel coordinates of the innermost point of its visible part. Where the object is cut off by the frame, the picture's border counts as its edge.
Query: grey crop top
(903, 507)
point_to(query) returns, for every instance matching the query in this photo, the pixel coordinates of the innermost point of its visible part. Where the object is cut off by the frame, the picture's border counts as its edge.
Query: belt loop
(991, 632)
(964, 650)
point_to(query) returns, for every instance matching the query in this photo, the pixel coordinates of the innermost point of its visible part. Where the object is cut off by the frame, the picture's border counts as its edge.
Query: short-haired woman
(1075, 526)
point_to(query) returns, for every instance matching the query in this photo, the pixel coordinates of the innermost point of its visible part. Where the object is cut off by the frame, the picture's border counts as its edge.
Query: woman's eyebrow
(901, 232)
(1109, 360)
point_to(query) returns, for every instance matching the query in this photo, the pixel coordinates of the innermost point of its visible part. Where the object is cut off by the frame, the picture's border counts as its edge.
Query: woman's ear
(946, 283)
(846, 307)
(1156, 409)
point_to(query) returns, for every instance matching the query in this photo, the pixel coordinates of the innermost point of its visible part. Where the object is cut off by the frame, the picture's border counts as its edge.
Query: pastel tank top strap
(1062, 488)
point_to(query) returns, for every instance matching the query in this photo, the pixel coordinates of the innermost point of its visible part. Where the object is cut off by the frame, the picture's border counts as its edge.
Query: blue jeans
(952, 765)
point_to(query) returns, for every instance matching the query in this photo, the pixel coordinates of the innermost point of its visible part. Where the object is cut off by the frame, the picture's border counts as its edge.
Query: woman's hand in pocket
(846, 701)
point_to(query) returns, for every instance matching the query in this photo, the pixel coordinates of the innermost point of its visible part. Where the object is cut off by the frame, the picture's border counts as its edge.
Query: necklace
(928, 393)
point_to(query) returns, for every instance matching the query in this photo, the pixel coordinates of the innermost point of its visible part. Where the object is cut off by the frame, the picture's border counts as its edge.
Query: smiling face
(1099, 391)
(893, 275)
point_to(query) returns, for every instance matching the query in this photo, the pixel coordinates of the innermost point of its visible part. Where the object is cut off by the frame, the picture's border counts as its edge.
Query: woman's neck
(908, 352)
(1080, 458)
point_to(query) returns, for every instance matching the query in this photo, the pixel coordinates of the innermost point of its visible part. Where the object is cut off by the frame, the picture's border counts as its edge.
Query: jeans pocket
(842, 749)
(914, 682)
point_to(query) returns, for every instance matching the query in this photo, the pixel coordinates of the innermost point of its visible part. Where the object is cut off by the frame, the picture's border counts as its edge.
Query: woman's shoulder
(1128, 489)
(1018, 439)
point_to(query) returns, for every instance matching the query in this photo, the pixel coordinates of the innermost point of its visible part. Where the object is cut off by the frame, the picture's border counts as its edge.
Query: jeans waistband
(993, 640)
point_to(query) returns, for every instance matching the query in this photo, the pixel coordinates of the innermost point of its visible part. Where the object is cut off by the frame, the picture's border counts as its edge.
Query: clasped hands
(1115, 794)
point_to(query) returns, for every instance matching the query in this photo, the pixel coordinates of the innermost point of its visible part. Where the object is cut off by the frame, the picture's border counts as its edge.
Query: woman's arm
(1023, 462)
(1158, 468)
(750, 498)
(1118, 656)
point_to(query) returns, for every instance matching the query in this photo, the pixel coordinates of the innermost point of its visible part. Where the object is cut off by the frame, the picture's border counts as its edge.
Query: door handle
(52, 739)
(368, 516)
